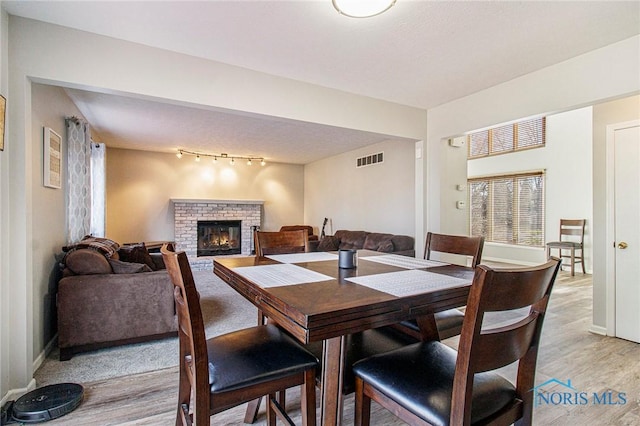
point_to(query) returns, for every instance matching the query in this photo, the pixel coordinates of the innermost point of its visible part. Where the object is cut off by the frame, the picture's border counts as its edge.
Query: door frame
(610, 219)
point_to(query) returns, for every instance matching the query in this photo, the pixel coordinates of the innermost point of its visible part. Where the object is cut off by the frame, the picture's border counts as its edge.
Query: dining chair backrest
(455, 244)
(281, 242)
(483, 349)
(191, 333)
(572, 230)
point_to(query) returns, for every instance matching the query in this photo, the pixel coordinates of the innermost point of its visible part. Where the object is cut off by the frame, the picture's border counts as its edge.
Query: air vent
(370, 160)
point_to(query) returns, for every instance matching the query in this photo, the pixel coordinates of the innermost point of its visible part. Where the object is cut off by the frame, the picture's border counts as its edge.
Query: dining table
(312, 298)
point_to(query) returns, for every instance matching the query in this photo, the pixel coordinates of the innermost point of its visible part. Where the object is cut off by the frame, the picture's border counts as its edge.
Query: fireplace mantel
(204, 200)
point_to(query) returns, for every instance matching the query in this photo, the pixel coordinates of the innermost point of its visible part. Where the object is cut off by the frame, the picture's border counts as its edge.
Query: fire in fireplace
(219, 237)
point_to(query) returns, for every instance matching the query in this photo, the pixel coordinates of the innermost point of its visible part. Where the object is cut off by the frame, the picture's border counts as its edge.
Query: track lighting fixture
(232, 160)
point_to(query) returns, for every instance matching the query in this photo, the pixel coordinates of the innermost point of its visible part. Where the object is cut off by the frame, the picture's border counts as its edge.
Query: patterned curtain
(98, 188)
(79, 179)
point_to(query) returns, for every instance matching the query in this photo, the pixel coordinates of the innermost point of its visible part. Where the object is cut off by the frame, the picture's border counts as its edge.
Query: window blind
(524, 134)
(508, 209)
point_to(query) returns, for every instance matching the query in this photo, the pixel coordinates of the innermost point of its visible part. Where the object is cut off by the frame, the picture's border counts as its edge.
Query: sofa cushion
(329, 243)
(402, 243)
(351, 239)
(378, 242)
(87, 262)
(120, 267)
(136, 253)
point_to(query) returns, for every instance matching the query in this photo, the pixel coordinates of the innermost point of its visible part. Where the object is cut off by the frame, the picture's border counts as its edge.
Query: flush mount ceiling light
(362, 8)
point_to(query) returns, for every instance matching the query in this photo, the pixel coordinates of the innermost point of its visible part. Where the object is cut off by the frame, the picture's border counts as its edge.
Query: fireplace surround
(187, 213)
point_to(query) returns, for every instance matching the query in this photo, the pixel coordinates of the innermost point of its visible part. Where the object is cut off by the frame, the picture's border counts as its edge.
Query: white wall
(618, 111)
(115, 66)
(50, 106)
(597, 76)
(566, 159)
(140, 185)
(376, 198)
(6, 316)
(44, 53)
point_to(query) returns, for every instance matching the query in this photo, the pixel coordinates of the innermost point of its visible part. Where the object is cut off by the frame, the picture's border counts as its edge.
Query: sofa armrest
(111, 307)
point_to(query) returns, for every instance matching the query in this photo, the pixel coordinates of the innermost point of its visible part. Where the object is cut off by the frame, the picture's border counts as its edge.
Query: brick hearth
(187, 212)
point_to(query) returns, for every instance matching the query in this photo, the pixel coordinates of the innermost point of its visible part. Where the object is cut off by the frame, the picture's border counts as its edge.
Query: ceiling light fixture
(198, 155)
(362, 8)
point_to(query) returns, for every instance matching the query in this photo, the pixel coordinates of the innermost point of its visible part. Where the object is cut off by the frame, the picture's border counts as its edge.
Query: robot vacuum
(46, 403)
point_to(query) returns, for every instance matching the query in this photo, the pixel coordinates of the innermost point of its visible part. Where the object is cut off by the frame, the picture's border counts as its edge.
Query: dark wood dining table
(335, 307)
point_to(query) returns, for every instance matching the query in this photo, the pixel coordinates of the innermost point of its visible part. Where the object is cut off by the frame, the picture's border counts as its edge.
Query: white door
(627, 231)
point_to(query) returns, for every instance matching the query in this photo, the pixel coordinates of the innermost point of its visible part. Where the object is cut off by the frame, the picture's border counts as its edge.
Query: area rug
(223, 310)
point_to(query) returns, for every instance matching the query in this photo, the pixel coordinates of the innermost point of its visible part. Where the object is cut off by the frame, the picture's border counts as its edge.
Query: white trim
(14, 394)
(204, 200)
(596, 329)
(610, 293)
(523, 247)
(513, 262)
(43, 355)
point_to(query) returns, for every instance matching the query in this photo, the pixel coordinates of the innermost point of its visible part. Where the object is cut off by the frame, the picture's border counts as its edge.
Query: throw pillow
(120, 267)
(87, 262)
(136, 253)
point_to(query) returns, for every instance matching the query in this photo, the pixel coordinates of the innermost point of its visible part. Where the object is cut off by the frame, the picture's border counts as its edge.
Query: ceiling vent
(369, 160)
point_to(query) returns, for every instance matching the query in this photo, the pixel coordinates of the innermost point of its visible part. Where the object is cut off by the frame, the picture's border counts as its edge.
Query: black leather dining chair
(449, 322)
(429, 383)
(228, 370)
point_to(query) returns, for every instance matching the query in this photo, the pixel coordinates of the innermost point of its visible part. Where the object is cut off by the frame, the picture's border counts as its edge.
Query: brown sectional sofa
(104, 301)
(387, 243)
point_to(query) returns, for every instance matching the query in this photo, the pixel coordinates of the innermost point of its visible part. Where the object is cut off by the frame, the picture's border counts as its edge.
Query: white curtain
(98, 188)
(85, 182)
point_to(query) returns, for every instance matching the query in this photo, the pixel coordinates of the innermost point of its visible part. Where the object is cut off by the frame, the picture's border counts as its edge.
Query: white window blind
(508, 209)
(508, 138)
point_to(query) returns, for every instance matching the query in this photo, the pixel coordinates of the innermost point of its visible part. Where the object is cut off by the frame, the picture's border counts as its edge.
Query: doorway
(623, 187)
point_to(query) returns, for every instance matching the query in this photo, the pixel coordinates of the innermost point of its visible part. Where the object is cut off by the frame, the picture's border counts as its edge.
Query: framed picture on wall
(3, 109)
(52, 158)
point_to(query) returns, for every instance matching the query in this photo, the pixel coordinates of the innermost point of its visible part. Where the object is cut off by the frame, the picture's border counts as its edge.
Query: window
(508, 209)
(511, 137)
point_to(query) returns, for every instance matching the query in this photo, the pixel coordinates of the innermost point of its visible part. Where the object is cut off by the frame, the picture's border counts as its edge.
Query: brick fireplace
(187, 213)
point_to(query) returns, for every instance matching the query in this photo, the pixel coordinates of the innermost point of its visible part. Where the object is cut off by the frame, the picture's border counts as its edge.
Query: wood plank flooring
(593, 363)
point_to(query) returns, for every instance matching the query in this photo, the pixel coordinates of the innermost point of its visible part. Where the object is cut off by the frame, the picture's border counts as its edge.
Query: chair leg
(251, 415)
(573, 262)
(362, 415)
(308, 398)
(271, 414)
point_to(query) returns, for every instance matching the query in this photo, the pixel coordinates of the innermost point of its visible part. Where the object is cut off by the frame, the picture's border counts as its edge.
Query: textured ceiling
(419, 53)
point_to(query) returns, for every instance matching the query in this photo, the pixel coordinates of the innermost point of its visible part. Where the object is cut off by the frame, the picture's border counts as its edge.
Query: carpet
(223, 311)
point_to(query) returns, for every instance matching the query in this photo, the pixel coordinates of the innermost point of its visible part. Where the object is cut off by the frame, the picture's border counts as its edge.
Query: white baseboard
(47, 349)
(596, 329)
(14, 394)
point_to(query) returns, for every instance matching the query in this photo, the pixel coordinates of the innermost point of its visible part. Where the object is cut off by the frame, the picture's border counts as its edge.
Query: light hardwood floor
(593, 363)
